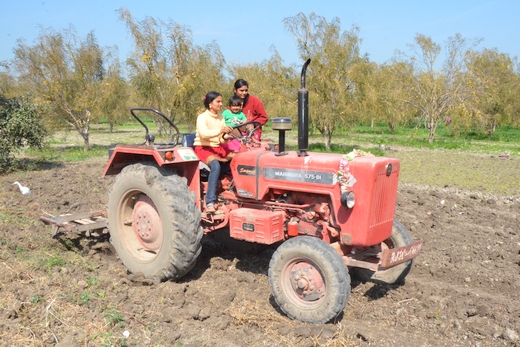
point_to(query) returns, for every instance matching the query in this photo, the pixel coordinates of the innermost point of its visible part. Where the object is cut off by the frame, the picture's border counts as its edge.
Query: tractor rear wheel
(400, 237)
(154, 222)
(309, 280)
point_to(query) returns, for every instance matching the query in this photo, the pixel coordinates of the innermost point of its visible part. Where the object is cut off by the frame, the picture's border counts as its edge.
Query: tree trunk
(328, 141)
(84, 132)
(86, 144)
(492, 128)
(432, 128)
(160, 127)
(391, 127)
(326, 132)
(328, 137)
(419, 121)
(431, 132)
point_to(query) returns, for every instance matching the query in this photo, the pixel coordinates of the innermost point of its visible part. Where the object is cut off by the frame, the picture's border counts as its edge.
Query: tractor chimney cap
(282, 123)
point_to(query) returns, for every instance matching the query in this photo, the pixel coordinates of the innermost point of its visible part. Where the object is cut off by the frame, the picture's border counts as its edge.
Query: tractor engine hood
(255, 174)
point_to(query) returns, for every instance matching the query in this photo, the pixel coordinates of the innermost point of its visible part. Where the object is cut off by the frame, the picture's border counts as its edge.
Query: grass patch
(448, 161)
(36, 299)
(85, 297)
(475, 172)
(502, 140)
(109, 340)
(91, 281)
(67, 153)
(16, 217)
(113, 317)
(55, 261)
(68, 145)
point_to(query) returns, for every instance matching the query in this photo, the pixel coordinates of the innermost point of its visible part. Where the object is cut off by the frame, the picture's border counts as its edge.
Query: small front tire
(309, 280)
(400, 237)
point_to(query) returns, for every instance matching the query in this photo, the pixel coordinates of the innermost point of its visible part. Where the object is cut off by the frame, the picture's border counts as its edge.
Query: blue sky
(245, 30)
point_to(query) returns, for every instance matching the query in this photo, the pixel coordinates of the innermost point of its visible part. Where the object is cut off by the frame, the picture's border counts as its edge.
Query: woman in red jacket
(251, 105)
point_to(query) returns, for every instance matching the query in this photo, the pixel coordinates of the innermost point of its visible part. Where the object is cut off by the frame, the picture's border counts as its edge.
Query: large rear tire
(154, 222)
(400, 237)
(309, 280)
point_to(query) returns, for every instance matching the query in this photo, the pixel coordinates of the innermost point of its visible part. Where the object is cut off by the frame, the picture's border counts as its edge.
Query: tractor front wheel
(154, 222)
(400, 237)
(309, 280)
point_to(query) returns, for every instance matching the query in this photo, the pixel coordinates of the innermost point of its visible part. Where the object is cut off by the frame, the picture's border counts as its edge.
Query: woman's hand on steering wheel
(226, 132)
(226, 129)
(245, 130)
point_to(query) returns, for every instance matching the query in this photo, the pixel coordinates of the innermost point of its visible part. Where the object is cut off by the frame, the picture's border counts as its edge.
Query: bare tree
(496, 85)
(9, 86)
(168, 70)
(333, 52)
(114, 100)
(273, 82)
(66, 72)
(436, 88)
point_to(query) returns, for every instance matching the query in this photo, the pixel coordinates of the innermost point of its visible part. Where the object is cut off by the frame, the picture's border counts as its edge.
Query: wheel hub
(307, 282)
(147, 225)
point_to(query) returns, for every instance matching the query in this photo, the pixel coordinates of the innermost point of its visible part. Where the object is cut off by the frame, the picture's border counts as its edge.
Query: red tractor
(329, 214)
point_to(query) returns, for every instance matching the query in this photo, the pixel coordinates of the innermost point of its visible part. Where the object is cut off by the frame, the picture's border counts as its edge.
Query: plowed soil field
(463, 290)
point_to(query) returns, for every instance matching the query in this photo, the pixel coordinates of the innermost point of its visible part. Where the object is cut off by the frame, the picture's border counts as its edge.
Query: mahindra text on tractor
(329, 216)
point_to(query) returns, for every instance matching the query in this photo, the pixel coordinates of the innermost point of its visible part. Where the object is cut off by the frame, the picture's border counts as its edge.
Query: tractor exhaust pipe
(303, 114)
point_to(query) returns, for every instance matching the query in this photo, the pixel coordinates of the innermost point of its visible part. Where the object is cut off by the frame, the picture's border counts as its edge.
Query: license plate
(395, 256)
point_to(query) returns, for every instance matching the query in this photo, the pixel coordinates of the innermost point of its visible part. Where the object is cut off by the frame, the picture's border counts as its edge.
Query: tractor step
(86, 222)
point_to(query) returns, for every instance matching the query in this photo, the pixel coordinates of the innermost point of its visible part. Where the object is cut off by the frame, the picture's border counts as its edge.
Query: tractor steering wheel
(244, 132)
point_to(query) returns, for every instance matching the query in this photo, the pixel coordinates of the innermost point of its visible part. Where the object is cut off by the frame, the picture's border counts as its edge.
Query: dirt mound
(73, 291)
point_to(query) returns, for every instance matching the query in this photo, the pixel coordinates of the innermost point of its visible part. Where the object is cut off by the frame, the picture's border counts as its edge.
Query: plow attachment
(87, 222)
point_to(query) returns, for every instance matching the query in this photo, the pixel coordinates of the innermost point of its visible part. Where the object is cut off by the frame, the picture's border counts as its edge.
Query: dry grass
(257, 314)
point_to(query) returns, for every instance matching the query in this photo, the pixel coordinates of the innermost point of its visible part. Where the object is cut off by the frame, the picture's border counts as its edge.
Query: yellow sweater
(208, 129)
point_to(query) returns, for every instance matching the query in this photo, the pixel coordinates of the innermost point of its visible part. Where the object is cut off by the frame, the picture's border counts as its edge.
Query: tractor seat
(188, 139)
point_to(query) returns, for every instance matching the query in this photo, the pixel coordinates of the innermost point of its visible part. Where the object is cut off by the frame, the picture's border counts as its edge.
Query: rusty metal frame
(77, 223)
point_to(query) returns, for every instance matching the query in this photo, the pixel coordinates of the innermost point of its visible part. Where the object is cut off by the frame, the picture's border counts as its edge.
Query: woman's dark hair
(240, 83)
(234, 100)
(210, 97)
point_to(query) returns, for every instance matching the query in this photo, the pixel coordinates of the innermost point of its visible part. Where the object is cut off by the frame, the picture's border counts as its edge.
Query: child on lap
(234, 116)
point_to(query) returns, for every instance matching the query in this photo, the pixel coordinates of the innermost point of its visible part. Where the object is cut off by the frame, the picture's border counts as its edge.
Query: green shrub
(20, 126)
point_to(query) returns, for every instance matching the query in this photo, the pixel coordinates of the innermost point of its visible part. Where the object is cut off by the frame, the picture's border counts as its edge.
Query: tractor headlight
(348, 199)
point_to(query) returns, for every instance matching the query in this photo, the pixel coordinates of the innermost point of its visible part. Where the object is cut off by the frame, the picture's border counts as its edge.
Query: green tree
(436, 93)
(114, 100)
(168, 70)
(20, 125)
(65, 72)
(394, 111)
(378, 96)
(496, 86)
(365, 76)
(333, 52)
(8, 83)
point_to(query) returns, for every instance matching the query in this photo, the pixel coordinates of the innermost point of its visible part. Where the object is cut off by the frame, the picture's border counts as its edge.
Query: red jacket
(255, 111)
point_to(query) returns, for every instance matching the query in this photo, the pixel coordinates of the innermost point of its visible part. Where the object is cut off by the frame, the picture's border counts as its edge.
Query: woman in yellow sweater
(211, 133)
